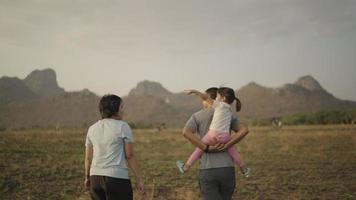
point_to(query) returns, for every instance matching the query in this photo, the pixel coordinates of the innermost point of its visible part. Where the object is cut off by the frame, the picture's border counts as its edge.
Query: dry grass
(304, 162)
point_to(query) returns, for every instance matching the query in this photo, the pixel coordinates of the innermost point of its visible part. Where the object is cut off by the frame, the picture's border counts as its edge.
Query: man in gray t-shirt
(217, 171)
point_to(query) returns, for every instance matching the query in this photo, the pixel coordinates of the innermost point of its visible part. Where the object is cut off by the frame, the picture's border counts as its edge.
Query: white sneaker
(180, 165)
(247, 172)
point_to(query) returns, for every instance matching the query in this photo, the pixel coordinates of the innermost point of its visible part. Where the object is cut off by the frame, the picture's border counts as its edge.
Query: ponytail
(238, 104)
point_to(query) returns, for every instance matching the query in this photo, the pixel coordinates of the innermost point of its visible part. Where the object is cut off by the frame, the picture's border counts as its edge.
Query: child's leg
(224, 138)
(207, 139)
(238, 160)
(236, 157)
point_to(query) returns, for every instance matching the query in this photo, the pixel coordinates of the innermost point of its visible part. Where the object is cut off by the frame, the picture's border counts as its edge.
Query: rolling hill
(39, 102)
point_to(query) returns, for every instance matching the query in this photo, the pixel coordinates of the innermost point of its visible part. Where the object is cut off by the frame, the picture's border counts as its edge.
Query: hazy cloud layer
(268, 41)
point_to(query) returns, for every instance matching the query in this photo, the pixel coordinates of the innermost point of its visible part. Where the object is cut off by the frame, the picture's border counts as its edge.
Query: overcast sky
(109, 46)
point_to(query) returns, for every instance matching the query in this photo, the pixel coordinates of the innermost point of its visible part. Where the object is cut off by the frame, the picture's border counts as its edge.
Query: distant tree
(322, 117)
(84, 125)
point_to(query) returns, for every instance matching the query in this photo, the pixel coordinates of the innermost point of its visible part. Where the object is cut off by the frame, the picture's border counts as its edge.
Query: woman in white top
(109, 153)
(219, 130)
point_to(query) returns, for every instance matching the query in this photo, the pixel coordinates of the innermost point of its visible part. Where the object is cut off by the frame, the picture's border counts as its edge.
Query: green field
(304, 162)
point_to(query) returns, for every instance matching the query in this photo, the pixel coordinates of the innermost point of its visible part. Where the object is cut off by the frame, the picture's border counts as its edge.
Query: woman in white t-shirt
(109, 153)
(219, 130)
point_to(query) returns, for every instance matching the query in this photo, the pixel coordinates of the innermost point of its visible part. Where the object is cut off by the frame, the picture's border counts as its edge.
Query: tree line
(322, 117)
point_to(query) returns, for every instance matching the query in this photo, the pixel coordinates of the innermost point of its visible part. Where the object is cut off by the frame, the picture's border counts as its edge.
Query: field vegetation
(295, 162)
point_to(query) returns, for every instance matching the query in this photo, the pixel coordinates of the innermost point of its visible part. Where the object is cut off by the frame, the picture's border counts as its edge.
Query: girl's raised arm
(203, 96)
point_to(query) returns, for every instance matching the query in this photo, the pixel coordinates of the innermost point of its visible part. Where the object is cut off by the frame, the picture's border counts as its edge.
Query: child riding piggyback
(219, 130)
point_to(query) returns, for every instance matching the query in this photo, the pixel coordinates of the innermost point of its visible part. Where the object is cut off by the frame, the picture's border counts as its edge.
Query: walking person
(219, 129)
(109, 153)
(217, 171)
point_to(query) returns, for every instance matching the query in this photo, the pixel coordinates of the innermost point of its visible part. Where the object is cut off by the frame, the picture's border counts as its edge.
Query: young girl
(219, 130)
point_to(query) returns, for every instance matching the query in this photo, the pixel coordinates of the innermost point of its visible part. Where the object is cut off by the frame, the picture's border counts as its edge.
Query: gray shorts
(217, 183)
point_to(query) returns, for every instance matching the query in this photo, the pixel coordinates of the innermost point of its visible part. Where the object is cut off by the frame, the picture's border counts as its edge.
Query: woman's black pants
(109, 188)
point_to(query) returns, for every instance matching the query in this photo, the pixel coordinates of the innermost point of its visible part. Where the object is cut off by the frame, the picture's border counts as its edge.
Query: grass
(296, 162)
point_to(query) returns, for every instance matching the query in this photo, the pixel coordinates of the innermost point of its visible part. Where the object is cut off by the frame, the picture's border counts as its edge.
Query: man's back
(217, 172)
(199, 123)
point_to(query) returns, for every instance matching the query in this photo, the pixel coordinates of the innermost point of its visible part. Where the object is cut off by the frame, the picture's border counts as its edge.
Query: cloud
(157, 34)
(93, 24)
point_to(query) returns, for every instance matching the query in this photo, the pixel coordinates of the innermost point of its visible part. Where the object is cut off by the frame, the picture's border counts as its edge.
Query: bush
(321, 117)
(261, 122)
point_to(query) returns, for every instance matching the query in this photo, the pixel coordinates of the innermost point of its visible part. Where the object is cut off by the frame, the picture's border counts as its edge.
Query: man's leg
(217, 183)
(209, 186)
(227, 183)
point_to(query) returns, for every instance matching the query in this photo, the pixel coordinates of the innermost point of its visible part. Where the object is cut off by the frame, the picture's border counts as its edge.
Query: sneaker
(180, 165)
(246, 172)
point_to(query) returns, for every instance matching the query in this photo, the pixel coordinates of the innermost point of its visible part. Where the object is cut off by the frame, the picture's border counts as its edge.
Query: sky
(108, 46)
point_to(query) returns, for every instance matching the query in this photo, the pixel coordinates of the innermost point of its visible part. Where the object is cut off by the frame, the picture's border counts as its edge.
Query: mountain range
(39, 102)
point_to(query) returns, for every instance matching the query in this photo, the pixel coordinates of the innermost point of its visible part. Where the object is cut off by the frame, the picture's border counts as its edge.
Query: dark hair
(109, 105)
(230, 97)
(212, 92)
(238, 104)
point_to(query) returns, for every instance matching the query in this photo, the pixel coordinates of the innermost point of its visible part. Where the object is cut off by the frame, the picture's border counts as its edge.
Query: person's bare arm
(241, 131)
(87, 162)
(189, 135)
(203, 96)
(133, 164)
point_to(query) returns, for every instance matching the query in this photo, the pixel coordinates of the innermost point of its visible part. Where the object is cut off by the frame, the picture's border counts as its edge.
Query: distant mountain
(150, 88)
(14, 89)
(43, 82)
(150, 104)
(179, 101)
(304, 96)
(38, 101)
(309, 83)
(70, 109)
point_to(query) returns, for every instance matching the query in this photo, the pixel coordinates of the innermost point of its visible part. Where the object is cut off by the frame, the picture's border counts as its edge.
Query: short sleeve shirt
(222, 117)
(108, 137)
(199, 123)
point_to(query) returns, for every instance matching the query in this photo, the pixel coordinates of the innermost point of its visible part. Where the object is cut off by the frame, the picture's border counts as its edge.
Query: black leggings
(109, 188)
